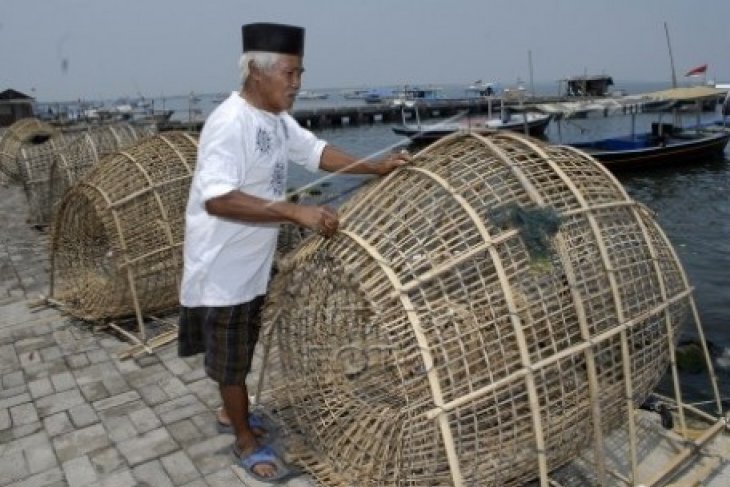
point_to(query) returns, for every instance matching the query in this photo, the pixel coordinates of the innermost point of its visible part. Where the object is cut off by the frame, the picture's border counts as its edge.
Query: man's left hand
(393, 161)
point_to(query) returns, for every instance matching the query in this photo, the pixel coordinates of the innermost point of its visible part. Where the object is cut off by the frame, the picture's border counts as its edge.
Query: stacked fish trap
(20, 136)
(483, 316)
(118, 233)
(76, 158)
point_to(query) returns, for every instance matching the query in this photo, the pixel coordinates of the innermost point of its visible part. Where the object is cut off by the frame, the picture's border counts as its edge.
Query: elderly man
(236, 202)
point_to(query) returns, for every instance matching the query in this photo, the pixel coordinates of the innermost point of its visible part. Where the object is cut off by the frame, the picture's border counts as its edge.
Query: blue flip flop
(265, 455)
(256, 420)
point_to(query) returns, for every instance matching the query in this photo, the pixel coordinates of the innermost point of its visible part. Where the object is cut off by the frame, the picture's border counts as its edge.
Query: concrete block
(212, 454)
(63, 381)
(79, 472)
(13, 379)
(77, 360)
(97, 356)
(179, 467)
(120, 428)
(57, 424)
(23, 414)
(115, 384)
(9, 359)
(51, 353)
(177, 366)
(147, 375)
(147, 360)
(207, 391)
(152, 473)
(40, 387)
(184, 432)
(20, 432)
(80, 442)
(106, 460)
(41, 457)
(50, 478)
(226, 477)
(179, 408)
(123, 478)
(173, 387)
(83, 415)
(94, 391)
(116, 400)
(12, 468)
(15, 399)
(196, 483)
(194, 375)
(4, 419)
(144, 420)
(126, 366)
(148, 446)
(61, 401)
(153, 394)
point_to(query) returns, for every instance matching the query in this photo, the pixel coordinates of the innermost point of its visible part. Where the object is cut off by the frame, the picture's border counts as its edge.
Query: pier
(316, 118)
(327, 117)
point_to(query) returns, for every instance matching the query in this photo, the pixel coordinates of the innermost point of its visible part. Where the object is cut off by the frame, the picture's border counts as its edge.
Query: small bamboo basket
(118, 232)
(482, 316)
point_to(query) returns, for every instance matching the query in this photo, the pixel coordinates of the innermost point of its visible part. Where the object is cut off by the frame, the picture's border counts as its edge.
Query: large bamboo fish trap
(23, 133)
(481, 317)
(118, 233)
(34, 162)
(53, 177)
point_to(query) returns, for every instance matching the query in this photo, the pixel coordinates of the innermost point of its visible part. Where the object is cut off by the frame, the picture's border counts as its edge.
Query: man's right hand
(322, 220)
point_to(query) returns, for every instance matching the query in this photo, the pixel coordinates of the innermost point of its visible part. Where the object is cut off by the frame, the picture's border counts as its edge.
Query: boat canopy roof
(632, 103)
(691, 93)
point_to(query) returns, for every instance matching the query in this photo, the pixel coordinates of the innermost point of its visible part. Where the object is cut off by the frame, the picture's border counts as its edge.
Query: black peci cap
(266, 37)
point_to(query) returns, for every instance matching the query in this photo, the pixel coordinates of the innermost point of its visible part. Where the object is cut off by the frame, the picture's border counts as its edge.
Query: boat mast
(674, 73)
(529, 61)
(671, 58)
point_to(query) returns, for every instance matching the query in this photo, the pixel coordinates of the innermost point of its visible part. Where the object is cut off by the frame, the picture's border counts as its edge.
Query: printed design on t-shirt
(278, 177)
(263, 141)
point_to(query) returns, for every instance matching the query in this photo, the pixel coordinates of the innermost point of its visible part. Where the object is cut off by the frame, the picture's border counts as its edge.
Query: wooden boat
(311, 95)
(662, 146)
(532, 123)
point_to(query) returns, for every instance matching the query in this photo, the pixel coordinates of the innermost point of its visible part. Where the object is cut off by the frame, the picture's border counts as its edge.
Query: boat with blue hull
(664, 145)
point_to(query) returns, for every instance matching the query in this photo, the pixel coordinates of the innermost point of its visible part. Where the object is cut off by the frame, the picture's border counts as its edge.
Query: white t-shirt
(228, 262)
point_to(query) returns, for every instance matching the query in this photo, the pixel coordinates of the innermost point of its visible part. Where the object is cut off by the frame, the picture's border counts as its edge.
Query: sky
(59, 50)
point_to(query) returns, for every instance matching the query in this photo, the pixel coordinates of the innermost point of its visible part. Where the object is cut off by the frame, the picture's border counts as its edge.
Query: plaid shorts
(226, 334)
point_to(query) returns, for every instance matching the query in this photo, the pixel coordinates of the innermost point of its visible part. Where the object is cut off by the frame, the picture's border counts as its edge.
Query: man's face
(281, 83)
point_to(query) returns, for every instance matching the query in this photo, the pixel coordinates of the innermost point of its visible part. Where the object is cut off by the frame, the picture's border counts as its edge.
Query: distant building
(14, 105)
(588, 85)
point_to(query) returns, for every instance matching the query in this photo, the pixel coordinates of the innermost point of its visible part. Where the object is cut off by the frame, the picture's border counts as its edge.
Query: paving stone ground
(73, 414)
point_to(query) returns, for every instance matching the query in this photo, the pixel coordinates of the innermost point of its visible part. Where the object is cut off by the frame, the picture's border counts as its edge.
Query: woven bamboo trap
(481, 317)
(24, 133)
(49, 177)
(118, 232)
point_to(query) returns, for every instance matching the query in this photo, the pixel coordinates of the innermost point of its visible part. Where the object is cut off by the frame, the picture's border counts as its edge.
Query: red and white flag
(697, 71)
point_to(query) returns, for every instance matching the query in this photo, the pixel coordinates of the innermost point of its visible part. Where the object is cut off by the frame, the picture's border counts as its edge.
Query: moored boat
(531, 123)
(311, 95)
(664, 145)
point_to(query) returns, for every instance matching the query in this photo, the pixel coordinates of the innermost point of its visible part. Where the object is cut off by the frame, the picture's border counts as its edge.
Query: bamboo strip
(428, 362)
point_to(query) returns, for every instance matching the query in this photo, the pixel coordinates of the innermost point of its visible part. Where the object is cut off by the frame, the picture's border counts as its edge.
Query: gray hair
(262, 60)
